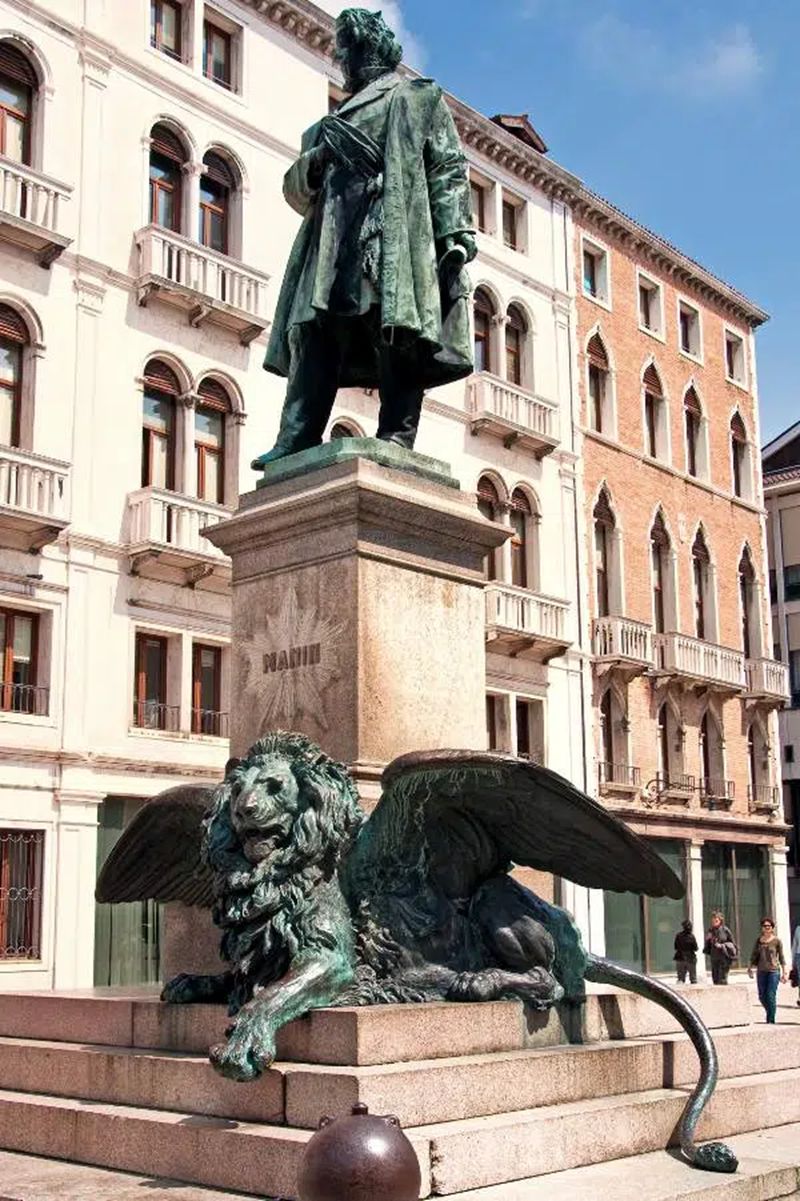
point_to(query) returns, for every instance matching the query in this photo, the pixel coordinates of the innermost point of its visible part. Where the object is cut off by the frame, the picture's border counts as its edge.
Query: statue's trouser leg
(401, 397)
(311, 388)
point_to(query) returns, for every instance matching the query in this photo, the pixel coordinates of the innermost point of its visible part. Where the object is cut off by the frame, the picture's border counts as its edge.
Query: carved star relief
(288, 693)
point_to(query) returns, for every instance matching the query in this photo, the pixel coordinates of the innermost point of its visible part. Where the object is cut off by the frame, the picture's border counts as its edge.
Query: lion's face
(264, 805)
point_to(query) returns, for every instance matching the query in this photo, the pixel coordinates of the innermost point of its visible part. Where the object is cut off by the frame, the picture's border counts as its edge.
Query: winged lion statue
(319, 905)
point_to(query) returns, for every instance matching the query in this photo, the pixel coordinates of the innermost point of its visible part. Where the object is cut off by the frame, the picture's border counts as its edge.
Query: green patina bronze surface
(375, 293)
(319, 905)
(341, 450)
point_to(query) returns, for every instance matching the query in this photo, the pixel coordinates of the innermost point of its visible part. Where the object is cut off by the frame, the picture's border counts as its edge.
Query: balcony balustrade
(622, 643)
(618, 777)
(715, 792)
(30, 210)
(767, 680)
(153, 715)
(763, 798)
(210, 286)
(165, 530)
(33, 499)
(520, 622)
(210, 723)
(32, 699)
(515, 416)
(681, 655)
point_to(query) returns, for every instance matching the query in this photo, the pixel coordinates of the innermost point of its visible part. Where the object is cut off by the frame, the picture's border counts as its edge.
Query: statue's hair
(269, 910)
(360, 25)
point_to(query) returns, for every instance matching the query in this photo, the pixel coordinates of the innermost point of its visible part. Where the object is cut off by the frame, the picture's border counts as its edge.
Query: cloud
(413, 50)
(638, 56)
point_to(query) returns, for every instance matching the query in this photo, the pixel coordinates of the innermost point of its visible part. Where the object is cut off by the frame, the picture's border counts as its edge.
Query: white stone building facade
(143, 237)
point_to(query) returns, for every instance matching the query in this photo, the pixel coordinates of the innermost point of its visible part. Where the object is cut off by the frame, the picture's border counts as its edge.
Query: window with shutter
(18, 85)
(167, 157)
(161, 388)
(13, 339)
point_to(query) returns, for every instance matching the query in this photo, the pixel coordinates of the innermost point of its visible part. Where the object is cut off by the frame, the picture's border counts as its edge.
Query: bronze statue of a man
(374, 294)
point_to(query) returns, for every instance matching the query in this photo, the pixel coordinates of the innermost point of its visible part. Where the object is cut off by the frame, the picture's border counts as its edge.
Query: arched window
(664, 757)
(607, 734)
(669, 750)
(693, 416)
(659, 562)
(484, 315)
(747, 603)
(599, 397)
(739, 457)
(760, 793)
(211, 410)
(167, 158)
(655, 417)
(701, 566)
(523, 550)
(604, 523)
(489, 507)
(13, 340)
(161, 390)
(713, 784)
(217, 186)
(18, 86)
(516, 330)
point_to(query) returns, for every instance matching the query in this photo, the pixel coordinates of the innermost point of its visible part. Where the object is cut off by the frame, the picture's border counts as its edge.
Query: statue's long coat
(426, 198)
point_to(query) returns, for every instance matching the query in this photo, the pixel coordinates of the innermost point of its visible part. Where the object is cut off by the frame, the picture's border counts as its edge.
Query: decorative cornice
(301, 20)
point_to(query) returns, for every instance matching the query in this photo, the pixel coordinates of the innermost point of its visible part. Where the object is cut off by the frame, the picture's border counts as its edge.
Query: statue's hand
(467, 240)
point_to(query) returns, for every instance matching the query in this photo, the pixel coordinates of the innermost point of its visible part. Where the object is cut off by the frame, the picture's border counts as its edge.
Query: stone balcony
(524, 623)
(622, 643)
(716, 793)
(34, 499)
(699, 663)
(618, 779)
(30, 210)
(516, 417)
(767, 680)
(763, 798)
(164, 530)
(209, 286)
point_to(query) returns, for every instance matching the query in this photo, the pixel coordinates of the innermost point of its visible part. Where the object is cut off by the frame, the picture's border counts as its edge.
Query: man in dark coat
(374, 294)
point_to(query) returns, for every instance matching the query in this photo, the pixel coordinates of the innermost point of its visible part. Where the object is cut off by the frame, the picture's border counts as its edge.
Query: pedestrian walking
(686, 949)
(770, 964)
(720, 948)
(794, 975)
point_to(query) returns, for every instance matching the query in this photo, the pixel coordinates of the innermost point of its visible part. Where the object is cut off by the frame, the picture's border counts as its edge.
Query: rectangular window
(510, 224)
(206, 691)
(157, 421)
(21, 874)
(734, 357)
(791, 582)
(640, 931)
(689, 327)
(595, 272)
(794, 678)
(19, 644)
(217, 54)
(150, 709)
(478, 195)
(736, 882)
(492, 704)
(650, 306)
(209, 441)
(523, 729)
(165, 26)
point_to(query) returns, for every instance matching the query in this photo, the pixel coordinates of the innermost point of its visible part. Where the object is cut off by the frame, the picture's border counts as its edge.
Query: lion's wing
(477, 812)
(158, 857)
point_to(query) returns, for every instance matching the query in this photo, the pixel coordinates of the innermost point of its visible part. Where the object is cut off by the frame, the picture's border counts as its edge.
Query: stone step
(769, 1168)
(376, 1034)
(33, 1178)
(476, 1153)
(419, 1092)
(455, 1156)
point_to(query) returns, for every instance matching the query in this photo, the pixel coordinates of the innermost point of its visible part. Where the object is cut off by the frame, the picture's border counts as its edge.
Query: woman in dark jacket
(770, 963)
(720, 948)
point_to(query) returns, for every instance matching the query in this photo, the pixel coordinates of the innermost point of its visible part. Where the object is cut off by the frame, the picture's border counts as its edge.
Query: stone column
(696, 903)
(780, 896)
(358, 606)
(76, 862)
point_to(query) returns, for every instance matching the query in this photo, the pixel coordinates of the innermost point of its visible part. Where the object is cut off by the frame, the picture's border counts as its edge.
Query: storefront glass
(640, 931)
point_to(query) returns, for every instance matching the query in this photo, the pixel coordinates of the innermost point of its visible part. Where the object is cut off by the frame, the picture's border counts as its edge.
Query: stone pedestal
(358, 606)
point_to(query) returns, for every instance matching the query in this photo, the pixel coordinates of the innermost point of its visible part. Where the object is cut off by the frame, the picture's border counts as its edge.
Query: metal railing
(622, 638)
(715, 790)
(180, 261)
(153, 715)
(686, 655)
(33, 484)
(21, 870)
(32, 699)
(762, 796)
(169, 519)
(210, 722)
(622, 774)
(488, 394)
(28, 194)
(513, 608)
(767, 677)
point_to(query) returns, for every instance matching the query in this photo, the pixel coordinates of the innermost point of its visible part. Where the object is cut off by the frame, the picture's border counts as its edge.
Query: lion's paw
(180, 990)
(242, 1057)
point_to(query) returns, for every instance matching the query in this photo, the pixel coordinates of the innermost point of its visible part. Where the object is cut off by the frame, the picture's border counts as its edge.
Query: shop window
(128, 936)
(640, 931)
(736, 882)
(21, 878)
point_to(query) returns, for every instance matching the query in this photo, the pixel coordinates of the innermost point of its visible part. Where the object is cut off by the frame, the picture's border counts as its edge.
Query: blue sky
(684, 114)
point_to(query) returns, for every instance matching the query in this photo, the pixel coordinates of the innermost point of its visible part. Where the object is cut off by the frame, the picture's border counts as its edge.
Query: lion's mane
(269, 912)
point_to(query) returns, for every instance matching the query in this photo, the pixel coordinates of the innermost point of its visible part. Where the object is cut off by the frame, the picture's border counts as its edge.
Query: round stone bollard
(362, 1157)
